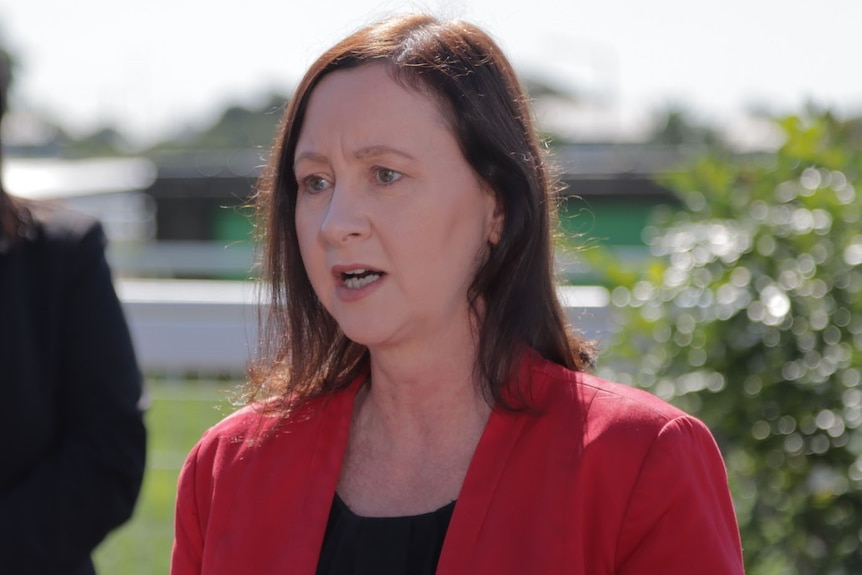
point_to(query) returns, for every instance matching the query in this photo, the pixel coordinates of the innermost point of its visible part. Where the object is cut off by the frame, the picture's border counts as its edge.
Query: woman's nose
(345, 218)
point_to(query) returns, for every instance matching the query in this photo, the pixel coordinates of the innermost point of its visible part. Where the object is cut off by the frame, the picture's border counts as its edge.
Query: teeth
(358, 272)
(356, 283)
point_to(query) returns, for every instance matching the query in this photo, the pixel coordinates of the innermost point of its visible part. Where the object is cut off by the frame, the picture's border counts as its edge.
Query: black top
(355, 545)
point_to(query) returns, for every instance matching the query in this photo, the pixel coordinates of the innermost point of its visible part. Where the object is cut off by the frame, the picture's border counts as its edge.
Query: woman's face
(392, 221)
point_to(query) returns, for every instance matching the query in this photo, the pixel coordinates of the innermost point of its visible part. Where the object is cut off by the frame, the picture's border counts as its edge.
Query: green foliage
(749, 316)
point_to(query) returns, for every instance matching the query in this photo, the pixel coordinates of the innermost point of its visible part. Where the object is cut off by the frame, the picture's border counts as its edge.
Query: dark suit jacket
(72, 437)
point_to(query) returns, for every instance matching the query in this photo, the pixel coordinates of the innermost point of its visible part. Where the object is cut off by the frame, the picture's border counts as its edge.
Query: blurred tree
(105, 141)
(750, 317)
(675, 126)
(237, 127)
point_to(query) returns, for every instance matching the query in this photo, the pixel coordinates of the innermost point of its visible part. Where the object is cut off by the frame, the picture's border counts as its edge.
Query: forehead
(368, 98)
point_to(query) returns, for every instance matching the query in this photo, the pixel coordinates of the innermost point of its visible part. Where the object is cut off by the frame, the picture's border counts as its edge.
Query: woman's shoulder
(619, 428)
(259, 427)
(601, 406)
(253, 422)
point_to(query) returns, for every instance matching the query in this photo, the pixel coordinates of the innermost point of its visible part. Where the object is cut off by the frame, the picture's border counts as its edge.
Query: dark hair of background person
(304, 353)
(15, 220)
(8, 218)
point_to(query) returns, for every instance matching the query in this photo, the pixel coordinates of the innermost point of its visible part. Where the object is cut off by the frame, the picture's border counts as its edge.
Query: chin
(365, 337)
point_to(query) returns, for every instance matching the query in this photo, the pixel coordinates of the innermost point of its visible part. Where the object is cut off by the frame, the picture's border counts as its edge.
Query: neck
(415, 428)
(426, 399)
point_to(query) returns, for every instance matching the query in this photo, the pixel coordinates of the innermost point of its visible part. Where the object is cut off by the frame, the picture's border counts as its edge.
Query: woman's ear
(496, 219)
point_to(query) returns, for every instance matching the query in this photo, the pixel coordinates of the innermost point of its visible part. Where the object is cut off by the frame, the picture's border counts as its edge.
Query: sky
(155, 67)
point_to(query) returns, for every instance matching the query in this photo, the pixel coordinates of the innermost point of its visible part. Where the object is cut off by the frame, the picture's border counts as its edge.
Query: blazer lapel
(477, 494)
(324, 469)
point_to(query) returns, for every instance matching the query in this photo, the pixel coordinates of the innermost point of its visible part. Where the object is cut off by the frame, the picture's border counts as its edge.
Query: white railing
(210, 327)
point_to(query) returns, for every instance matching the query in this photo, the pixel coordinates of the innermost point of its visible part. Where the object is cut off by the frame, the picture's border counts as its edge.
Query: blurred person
(420, 405)
(71, 429)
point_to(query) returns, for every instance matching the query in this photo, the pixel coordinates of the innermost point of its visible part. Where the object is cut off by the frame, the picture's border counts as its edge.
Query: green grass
(179, 412)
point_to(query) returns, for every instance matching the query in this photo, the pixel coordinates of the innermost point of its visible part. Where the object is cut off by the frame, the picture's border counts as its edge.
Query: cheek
(306, 221)
(452, 242)
(302, 236)
(465, 226)
(309, 251)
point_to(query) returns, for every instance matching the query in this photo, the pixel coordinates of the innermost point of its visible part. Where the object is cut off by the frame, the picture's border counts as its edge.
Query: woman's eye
(314, 184)
(386, 176)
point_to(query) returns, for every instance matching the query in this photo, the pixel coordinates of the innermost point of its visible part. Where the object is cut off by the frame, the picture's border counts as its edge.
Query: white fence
(210, 327)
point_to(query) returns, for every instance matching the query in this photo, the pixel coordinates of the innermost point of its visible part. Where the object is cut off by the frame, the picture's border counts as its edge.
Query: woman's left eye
(386, 175)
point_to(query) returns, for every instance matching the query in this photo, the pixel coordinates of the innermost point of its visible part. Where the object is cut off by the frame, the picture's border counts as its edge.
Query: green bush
(749, 316)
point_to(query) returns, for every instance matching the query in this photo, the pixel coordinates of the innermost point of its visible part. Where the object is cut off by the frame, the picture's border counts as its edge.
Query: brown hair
(304, 353)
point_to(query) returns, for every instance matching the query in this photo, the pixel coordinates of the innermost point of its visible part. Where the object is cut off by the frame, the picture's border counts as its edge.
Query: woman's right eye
(314, 184)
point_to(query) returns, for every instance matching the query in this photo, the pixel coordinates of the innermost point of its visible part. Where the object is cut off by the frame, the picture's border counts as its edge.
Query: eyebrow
(375, 151)
(363, 153)
(311, 156)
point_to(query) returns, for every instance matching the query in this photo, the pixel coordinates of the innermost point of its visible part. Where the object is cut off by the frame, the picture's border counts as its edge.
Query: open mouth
(356, 279)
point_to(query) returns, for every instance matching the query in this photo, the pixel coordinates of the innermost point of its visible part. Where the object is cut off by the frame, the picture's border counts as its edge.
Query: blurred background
(709, 232)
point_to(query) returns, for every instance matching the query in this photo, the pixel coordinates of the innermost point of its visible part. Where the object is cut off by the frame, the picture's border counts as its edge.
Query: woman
(71, 429)
(423, 408)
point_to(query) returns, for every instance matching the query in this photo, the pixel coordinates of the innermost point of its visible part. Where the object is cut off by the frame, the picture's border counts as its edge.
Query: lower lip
(345, 293)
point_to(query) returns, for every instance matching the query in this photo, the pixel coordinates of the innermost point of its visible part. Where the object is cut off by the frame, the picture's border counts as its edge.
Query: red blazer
(598, 479)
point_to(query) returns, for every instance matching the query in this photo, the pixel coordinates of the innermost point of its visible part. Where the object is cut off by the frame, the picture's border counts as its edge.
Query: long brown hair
(304, 353)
